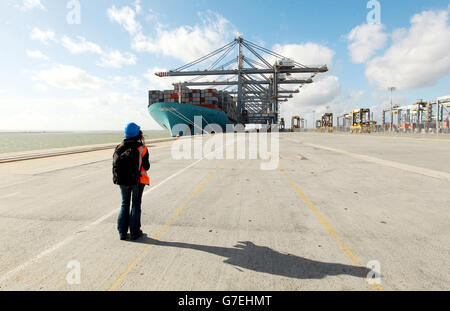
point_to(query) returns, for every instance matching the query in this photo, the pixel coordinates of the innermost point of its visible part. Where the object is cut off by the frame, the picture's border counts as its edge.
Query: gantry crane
(326, 124)
(360, 121)
(346, 122)
(443, 114)
(411, 118)
(318, 125)
(297, 123)
(256, 83)
(282, 125)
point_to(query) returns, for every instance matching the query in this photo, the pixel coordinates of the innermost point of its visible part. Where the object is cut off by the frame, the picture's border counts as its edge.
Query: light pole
(328, 107)
(314, 118)
(392, 89)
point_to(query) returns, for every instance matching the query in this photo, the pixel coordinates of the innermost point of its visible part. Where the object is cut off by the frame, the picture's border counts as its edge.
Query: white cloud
(42, 35)
(116, 59)
(126, 17)
(111, 59)
(82, 46)
(418, 57)
(137, 6)
(37, 55)
(185, 42)
(104, 110)
(310, 53)
(41, 87)
(320, 93)
(315, 96)
(128, 81)
(365, 40)
(157, 83)
(68, 77)
(188, 42)
(31, 4)
(380, 99)
(151, 15)
(325, 89)
(354, 96)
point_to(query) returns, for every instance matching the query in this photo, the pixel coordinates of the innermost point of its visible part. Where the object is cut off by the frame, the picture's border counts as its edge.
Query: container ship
(179, 107)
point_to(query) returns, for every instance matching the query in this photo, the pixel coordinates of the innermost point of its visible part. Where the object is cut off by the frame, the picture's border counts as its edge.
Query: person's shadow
(264, 259)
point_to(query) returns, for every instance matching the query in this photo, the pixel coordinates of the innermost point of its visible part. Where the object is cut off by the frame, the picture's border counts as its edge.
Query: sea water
(25, 141)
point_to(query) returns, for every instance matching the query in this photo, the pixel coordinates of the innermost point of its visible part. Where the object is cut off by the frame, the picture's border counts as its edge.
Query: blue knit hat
(132, 130)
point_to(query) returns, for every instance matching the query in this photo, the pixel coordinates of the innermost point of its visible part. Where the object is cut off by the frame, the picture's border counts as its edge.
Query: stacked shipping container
(210, 98)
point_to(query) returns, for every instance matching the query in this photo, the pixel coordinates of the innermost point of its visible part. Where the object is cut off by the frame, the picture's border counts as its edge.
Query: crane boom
(249, 71)
(255, 82)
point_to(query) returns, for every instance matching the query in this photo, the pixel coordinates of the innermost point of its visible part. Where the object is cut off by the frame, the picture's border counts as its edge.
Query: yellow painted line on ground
(328, 227)
(412, 138)
(122, 276)
(387, 136)
(397, 165)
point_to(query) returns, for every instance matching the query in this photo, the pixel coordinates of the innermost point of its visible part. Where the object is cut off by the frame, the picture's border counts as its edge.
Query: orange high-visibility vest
(145, 179)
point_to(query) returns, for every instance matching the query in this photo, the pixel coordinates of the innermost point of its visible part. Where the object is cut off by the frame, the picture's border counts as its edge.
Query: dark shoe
(137, 236)
(123, 237)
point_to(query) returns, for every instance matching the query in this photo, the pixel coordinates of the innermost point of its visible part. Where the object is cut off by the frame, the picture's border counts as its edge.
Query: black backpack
(126, 166)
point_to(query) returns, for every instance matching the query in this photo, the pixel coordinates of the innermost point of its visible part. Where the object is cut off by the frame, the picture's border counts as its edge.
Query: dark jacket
(132, 143)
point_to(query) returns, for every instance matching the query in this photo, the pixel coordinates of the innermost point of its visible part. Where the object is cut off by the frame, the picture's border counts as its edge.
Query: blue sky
(95, 75)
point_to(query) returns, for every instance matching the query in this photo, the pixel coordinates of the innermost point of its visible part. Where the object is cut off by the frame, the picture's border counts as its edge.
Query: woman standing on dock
(130, 166)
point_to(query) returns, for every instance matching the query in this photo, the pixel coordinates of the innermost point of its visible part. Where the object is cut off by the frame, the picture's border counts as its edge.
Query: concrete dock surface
(333, 207)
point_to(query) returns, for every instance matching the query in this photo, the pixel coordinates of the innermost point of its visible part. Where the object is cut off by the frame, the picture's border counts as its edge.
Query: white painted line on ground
(146, 192)
(107, 170)
(9, 195)
(19, 268)
(398, 165)
(66, 241)
(184, 169)
(44, 153)
(69, 239)
(14, 184)
(96, 172)
(84, 175)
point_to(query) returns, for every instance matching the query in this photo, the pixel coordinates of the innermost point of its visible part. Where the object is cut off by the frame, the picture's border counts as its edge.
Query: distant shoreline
(38, 140)
(74, 132)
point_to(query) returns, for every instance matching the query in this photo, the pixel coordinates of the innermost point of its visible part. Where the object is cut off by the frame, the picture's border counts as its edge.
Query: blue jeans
(126, 219)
